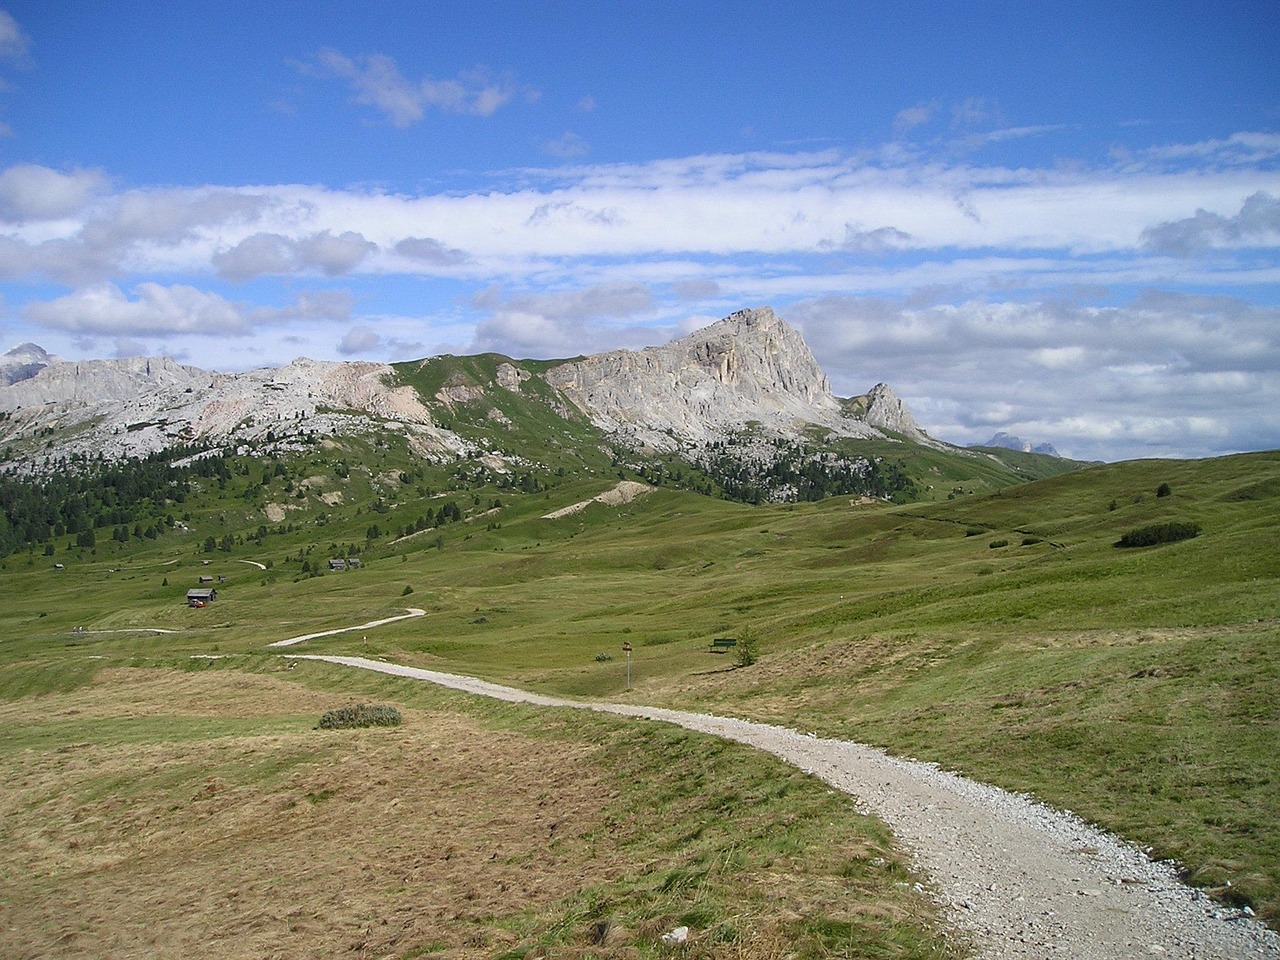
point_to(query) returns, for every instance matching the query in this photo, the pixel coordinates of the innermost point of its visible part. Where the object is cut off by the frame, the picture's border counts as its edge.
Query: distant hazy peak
(23, 362)
(1009, 442)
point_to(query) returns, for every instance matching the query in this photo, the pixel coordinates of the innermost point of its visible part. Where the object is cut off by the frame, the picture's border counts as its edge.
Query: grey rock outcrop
(749, 368)
(137, 406)
(23, 362)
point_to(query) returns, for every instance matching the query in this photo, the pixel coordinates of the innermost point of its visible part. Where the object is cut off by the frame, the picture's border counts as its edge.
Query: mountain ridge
(750, 371)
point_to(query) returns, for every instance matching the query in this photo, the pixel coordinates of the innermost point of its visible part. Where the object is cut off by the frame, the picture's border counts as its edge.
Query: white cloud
(105, 310)
(156, 310)
(13, 42)
(432, 251)
(1167, 373)
(271, 253)
(567, 146)
(359, 341)
(377, 82)
(1257, 222)
(32, 192)
(912, 117)
(561, 323)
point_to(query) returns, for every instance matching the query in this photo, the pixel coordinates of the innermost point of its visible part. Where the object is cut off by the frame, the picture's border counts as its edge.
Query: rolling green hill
(992, 625)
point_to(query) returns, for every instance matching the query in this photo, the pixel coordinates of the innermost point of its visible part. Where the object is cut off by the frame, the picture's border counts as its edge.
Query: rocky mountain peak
(750, 367)
(23, 362)
(1009, 442)
(885, 409)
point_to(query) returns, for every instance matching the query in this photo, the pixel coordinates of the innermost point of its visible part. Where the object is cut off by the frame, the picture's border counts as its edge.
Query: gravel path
(1021, 879)
(412, 612)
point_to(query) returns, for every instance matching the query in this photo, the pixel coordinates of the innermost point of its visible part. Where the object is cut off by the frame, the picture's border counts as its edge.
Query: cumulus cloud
(156, 310)
(557, 323)
(431, 251)
(376, 81)
(1167, 373)
(255, 256)
(261, 254)
(134, 229)
(29, 191)
(1257, 221)
(333, 254)
(104, 309)
(358, 341)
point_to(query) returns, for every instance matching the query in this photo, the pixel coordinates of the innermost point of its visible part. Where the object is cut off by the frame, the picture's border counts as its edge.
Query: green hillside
(1001, 633)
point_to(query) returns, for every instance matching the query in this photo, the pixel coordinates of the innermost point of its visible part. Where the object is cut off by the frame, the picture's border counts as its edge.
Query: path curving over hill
(1022, 880)
(409, 614)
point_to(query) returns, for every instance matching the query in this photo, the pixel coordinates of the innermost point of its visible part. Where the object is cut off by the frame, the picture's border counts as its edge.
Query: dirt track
(1023, 880)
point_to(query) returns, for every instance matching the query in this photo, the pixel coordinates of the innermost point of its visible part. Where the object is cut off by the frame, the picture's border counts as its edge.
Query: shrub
(1149, 536)
(974, 532)
(998, 543)
(603, 657)
(406, 591)
(1029, 541)
(1164, 490)
(361, 715)
(746, 648)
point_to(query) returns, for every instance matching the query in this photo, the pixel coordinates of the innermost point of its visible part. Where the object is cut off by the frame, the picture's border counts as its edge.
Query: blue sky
(1059, 223)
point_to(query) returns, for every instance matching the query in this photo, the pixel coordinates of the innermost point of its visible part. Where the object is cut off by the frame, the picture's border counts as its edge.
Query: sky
(1060, 221)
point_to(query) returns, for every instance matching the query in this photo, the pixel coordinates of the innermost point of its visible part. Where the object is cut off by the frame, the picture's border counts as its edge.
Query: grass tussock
(360, 715)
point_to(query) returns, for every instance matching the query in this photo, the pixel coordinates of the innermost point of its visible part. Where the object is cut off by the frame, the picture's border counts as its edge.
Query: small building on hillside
(353, 563)
(336, 563)
(201, 596)
(206, 579)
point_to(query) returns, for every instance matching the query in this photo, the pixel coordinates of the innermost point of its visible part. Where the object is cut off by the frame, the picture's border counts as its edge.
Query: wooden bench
(723, 644)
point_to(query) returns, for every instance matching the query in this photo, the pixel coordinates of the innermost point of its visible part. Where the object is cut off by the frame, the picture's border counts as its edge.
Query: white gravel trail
(411, 612)
(1021, 879)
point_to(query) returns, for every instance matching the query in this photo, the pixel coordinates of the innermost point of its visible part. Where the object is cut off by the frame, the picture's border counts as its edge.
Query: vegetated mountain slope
(740, 409)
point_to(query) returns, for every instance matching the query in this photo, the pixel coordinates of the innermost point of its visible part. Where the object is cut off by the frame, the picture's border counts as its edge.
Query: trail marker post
(626, 648)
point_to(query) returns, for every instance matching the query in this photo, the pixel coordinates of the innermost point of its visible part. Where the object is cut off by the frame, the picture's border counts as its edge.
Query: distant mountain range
(749, 371)
(1008, 441)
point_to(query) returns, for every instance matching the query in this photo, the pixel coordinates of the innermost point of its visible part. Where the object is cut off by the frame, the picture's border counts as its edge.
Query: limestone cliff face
(140, 405)
(750, 367)
(887, 411)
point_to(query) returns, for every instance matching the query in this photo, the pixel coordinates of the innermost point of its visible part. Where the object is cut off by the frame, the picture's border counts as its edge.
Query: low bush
(1149, 536)
(995, 544)
(361, 715)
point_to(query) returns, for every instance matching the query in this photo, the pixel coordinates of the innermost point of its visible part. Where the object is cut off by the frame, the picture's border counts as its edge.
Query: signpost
(626, 648)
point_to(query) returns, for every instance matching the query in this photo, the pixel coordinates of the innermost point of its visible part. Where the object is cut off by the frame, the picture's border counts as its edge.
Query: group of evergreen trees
(799, 473)
(83, 495)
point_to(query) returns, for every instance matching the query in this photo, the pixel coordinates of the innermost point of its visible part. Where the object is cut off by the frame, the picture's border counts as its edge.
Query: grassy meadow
(995, 629)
